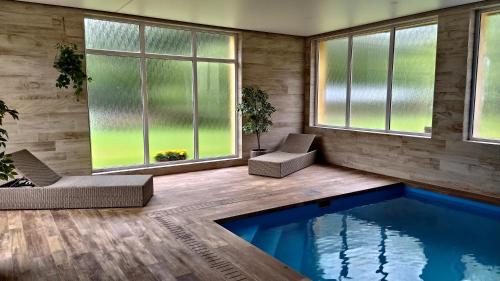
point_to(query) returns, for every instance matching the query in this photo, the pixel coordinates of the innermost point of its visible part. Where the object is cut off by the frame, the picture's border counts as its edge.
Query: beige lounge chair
(52, 191)
(293, 155)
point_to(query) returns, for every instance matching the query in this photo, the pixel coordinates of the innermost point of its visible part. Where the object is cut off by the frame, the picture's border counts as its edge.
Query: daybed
(53, 191)
(293, 156)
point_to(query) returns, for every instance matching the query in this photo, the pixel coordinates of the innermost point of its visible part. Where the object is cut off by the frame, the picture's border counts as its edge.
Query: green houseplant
(171, 155)
(256, 111)
(7, 169)
(69, 63)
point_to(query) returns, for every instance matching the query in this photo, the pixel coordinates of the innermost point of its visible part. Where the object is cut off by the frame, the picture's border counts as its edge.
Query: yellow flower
(182, 152)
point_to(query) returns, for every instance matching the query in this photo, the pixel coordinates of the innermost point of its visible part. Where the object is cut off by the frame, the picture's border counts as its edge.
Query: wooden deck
(174, 237)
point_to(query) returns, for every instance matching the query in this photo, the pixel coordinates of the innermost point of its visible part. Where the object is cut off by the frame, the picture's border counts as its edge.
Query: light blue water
(398, 239)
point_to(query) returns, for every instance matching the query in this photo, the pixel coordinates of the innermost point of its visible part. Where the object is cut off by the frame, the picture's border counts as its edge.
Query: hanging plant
(7, 169)
(69, 63)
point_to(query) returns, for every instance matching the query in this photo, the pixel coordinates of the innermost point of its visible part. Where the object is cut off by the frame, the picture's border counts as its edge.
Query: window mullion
(472, 105)
(349, 81)
(316, 82)
(236, 95)
(144, 94)
(388, 105)
(195, 97)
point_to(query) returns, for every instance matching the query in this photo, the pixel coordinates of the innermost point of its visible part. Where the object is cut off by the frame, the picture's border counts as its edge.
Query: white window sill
(483, 141)
(154, 168)
(378, 132)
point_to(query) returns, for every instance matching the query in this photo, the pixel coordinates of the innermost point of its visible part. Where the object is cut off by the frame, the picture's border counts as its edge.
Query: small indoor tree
(256, 112)
(7, 169)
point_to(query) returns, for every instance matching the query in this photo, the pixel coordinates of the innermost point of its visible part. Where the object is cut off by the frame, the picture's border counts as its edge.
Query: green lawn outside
(414, 124)
(489, 127)
(115, 148)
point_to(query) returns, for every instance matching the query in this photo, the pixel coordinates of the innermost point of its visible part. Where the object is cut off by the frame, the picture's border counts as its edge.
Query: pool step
(292, 245)
(248, 233)
(267, 239)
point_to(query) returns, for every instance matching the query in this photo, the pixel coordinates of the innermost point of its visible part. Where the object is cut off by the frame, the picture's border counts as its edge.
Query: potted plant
(69, 63)
(171, 155)
(7, 169)
(256, 112)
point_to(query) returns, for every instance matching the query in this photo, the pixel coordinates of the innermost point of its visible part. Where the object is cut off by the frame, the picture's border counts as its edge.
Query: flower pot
(258, 152)
(167, 159)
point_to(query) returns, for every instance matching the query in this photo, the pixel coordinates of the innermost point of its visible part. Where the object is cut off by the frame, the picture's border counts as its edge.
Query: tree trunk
(258, 141)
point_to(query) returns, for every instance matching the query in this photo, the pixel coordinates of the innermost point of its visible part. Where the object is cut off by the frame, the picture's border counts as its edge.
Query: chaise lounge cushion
(297, 143)
(292, 156)
(277, 157)
(280, 164)
(101, 181)
(34, 169)
(73, 191)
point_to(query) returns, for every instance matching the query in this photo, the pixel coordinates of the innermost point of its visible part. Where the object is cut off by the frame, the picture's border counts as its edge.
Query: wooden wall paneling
(275, 63)
(55, 126)
(447, 158)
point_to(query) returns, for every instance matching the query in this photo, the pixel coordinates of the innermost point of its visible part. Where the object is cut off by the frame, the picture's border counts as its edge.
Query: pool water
(398, 233)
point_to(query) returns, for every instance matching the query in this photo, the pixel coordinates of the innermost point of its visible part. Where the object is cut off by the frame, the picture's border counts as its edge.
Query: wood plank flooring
(131, 244)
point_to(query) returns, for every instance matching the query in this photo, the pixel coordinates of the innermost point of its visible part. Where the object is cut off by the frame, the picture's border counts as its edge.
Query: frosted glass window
(170, 106)
(356, 93)
(143, 97)
(216, 94)
(115, 111)
(370, 62)
(110, 35)
(487, 94)
(213, 45)
(168, 41)
(413, 78)
(332, 82)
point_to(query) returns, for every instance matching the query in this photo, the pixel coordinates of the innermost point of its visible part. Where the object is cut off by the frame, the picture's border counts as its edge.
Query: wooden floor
(174, 237)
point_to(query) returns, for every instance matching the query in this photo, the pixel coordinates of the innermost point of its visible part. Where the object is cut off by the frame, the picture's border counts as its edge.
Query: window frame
(143, 56)
(349, 35)
(475, 57)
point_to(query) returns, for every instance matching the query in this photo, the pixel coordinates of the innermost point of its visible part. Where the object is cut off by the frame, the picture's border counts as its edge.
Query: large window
(157, 89)
(380, 81)
(486, 101)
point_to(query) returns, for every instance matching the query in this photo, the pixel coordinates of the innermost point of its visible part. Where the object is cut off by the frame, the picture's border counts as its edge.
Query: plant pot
(258, 152)
(171, 159)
